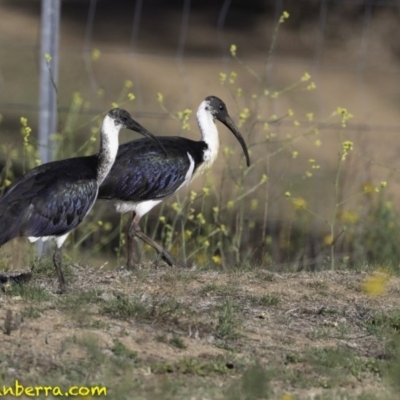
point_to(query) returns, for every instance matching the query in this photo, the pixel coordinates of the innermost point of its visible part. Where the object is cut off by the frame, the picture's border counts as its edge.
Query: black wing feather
(51, 199)
(143, 172)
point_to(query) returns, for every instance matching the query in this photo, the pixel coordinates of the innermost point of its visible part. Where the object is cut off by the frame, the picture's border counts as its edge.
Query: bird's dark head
(217, 108)
(122, 119)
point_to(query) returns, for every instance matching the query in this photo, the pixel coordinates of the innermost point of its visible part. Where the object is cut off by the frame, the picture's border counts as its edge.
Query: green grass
(120, 350)
(393, 365)
(216, 290)
(265, 300)
(156, 308)
(31, 312)
(253, 384)
(229, 321)
(177, 342)
(28, 292)
(203, 367)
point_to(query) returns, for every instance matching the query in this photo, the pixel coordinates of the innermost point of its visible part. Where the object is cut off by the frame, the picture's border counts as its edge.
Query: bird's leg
(57, 265)
(134, 230)
(130, 264)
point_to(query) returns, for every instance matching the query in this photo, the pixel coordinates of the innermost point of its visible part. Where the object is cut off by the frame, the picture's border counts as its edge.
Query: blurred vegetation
(229, 221)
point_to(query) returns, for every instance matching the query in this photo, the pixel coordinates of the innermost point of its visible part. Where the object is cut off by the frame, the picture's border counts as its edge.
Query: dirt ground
(179, 334)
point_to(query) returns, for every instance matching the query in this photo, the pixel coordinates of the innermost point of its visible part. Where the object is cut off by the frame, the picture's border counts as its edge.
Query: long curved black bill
(228, 122)
(135, 126)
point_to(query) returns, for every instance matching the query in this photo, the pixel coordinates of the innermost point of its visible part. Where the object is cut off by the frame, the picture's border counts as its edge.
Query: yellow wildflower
(306, 77)
(368, 187)
(264, 178)
(349, 216)
(311, 86)
(376, 284)
(253, 204)
(95, 54)
(193, 195)
(217, 259)
(128, 84)
(285, 15)
(299, 203)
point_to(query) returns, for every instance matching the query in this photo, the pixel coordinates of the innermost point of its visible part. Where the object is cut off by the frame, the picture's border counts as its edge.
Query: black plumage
(143, 172)
(142, 176)
(52, 199)
(49, 200)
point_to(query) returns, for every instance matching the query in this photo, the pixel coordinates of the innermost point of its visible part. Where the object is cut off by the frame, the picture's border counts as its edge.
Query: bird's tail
(8, 228)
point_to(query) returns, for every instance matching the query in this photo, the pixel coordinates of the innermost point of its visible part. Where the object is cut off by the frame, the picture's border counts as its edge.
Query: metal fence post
(49, 55)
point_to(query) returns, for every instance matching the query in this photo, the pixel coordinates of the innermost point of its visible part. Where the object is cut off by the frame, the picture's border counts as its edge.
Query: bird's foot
(165, 256)
(62, 289)
(131, 263)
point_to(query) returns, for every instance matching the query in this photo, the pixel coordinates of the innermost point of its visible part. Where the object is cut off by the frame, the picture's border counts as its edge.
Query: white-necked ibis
(143, 176)
(52, 199)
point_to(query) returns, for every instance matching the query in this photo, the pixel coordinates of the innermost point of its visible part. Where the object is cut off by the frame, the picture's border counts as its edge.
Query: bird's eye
(221, 108)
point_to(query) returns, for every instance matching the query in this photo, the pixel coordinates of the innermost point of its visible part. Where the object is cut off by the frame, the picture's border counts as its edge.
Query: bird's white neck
(108, 147)
(209, 135)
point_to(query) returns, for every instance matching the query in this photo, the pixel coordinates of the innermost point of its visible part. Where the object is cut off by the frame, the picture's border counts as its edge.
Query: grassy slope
(174, 334)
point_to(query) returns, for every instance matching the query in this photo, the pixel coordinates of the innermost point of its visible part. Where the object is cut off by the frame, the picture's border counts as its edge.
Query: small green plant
(254, 384)
(216, 290)
(393, 366)
(229, 321)
(120, 350)
(29, 292)
(204, 366)
(91, 345)
(31, 312)
(123, 307)
(161, 338)
(265, 300)
(383, 323)
(162, 309)
(177, 342)
(99, 324)
(77, 305)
